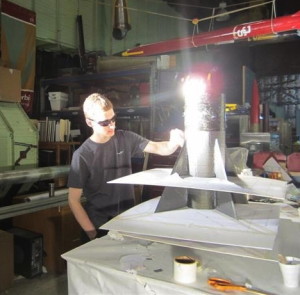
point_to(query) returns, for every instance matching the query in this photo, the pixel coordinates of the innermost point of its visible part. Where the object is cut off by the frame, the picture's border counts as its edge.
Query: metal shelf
(121, 111)
(126, 75)
(103, 79)
(33, 206)
(108, 79)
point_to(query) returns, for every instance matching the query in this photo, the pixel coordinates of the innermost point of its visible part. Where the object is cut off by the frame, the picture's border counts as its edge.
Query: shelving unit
(130, 114)
(58, 147)
(282, 91)
(282, 94)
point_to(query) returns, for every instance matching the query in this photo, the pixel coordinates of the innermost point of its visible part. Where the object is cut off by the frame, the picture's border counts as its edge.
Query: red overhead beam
(221, 36)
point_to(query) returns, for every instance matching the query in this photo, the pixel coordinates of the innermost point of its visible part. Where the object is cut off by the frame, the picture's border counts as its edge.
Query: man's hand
(165, 148)
(92, 234)
(97, 233)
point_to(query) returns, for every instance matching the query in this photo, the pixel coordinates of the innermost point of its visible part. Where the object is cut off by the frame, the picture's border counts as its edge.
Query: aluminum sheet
(251, 185)
(256, 227)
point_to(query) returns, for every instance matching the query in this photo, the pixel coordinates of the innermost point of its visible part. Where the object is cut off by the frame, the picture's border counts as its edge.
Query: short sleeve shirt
(94, 164)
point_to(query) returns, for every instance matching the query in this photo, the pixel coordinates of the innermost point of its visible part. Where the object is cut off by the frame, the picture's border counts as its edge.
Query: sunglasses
(106, 123)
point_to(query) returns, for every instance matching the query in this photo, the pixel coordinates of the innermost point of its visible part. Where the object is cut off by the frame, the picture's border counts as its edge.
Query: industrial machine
(19, 147)
(19, 138)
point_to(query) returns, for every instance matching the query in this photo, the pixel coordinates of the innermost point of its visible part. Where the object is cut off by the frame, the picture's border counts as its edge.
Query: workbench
(114, 265)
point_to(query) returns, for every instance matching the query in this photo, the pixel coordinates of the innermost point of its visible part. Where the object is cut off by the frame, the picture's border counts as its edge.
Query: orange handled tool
(227, 285)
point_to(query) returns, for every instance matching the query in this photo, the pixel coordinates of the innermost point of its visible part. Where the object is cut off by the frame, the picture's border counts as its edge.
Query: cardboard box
(58, 95)
(6, 260)
(58, 104)
(10, 85)
(58, 100)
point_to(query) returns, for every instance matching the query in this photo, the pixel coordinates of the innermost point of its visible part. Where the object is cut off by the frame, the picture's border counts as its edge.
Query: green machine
(18, 142)
(18, 138)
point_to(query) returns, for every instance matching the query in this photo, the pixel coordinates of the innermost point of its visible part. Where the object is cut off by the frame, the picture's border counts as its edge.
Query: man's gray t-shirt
(94, 164)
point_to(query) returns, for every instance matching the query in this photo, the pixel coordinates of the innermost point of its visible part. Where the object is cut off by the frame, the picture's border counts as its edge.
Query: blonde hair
(93, 100)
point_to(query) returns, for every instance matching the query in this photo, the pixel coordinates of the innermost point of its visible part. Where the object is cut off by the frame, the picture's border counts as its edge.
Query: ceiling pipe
(121, 24)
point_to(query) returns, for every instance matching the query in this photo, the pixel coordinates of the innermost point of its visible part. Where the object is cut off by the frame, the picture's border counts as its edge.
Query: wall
(56, 24)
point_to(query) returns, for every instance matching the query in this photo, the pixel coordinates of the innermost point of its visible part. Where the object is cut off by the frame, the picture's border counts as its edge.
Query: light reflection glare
(195, 115)
(193, 88)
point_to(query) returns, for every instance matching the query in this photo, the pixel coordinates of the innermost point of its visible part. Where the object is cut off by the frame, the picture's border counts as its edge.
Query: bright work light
(193, 87)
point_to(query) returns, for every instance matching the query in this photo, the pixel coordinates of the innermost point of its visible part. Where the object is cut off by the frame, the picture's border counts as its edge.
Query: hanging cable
(237, 10)
(195, 22)
(202, 19)
(181, 4)
(147, 12)
(211, 24)
(273, 14)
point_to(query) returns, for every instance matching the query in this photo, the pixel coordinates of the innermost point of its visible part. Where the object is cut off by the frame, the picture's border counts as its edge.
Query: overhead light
(222, 12)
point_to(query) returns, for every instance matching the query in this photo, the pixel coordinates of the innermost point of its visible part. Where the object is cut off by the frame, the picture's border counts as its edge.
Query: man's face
(103, 123)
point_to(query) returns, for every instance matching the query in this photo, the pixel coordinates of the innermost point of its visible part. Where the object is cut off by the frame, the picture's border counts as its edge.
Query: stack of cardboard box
(10, 85)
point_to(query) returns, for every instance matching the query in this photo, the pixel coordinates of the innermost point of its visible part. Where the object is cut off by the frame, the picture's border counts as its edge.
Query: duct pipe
(204, 126)
(121, 25)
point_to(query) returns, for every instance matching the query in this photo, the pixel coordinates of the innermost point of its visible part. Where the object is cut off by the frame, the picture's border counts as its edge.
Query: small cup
(290, 272)
(185, 269)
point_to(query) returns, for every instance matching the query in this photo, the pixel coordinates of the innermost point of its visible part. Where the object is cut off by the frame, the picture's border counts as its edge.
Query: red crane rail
(243, 31)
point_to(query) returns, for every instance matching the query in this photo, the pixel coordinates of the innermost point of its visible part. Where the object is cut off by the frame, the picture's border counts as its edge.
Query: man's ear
(88, 122)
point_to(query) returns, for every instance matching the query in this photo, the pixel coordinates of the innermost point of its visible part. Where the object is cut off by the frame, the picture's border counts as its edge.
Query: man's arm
(79, 212)
(165, 148)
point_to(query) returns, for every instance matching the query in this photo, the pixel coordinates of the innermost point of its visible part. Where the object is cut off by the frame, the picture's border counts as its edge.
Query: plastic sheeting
(95, 268)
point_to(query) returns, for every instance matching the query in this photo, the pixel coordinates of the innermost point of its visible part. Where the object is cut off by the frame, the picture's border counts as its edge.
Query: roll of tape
(185, 269)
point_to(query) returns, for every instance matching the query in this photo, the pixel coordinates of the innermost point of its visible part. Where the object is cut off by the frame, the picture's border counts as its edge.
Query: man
(104, 156)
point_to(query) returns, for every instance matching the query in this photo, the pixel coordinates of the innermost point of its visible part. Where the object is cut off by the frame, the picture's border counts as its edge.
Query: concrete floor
(45, 284)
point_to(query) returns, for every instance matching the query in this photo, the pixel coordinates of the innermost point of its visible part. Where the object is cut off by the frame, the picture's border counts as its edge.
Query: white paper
(236, 251)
